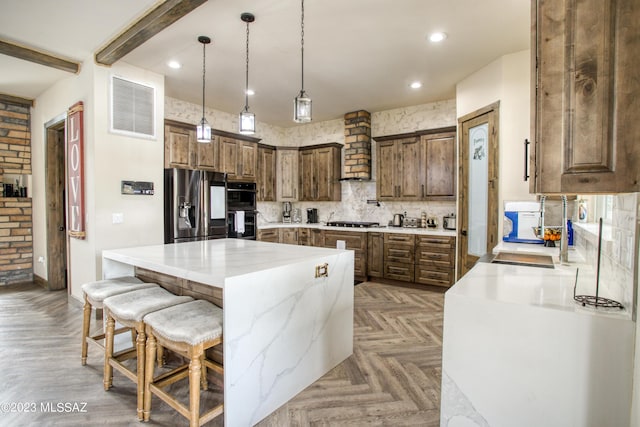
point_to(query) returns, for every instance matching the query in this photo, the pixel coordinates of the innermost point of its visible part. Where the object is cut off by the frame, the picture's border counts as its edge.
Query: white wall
(108, 158)
(507, 80)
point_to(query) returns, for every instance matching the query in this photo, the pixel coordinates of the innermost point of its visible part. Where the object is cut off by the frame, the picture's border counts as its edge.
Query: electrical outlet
(118, 218)
(41, 259)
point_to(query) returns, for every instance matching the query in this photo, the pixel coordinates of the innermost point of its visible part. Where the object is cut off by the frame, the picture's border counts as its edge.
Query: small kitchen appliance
(286, 212)
(520, 220)
(297, 218)
(397, 220)
(449, 222)
(411, 222)
(312, 216)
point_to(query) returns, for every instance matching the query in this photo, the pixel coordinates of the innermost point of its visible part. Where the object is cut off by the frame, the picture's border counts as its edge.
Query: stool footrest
(172, 376)
(123, 369)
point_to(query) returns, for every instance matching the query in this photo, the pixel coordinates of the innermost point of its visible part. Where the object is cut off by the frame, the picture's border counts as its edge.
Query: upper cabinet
(585, 92)
(319, 171)
(287, 175)
(182, 150)
(238, 159)
(266, 170)
(417, 166)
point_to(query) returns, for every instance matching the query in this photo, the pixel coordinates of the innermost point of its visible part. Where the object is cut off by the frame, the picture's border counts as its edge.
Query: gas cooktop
(354, 224)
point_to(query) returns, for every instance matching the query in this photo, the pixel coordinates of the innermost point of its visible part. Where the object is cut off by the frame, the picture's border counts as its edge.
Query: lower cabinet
(375, 254)
(435, 260)
(269, 235)
(399, 256)
(289, 236)
(354, 240)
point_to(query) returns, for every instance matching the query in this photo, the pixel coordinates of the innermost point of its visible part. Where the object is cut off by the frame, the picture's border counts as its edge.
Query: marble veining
(459, 406)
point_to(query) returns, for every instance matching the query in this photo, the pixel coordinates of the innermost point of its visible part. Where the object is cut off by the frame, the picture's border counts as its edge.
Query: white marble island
(283, 327)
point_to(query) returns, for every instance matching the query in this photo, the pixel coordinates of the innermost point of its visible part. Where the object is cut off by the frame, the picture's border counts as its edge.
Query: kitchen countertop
(382, 229)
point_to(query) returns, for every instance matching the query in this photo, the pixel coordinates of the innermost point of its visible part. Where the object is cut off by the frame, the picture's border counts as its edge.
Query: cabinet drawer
(399, 253)
(428, 257)
(435, 244)
(359, 264)
(399, 271)
(433, 276)
(356, 241)
(269, 235)
(399, 238)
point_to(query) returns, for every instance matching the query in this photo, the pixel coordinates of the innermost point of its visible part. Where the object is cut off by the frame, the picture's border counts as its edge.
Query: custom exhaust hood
(357, 146)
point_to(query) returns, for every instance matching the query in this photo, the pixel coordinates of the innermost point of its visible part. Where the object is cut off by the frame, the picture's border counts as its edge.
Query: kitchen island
(288, 312)
(517, 350)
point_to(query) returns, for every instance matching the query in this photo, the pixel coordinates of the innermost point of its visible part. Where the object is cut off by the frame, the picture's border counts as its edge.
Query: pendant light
(203, 131)
(302, 103)
(247, 120)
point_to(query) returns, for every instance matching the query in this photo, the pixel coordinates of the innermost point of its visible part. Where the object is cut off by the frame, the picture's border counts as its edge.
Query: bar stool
(129, 310)
(189, 330)
(94, 295)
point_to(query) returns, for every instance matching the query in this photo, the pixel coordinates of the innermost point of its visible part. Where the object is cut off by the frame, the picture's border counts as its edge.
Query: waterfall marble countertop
(382, 229)
(517, 349)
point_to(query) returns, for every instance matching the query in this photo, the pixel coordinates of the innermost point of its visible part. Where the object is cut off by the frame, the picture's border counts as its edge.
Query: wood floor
(392, 379)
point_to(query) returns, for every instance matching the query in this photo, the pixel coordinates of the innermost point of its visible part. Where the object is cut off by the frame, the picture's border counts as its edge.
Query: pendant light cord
(246, 86)
(302, 43)
(204, 45)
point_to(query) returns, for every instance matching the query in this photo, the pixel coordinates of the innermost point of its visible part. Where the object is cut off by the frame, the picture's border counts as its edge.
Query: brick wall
(16, 246)
(357, 145)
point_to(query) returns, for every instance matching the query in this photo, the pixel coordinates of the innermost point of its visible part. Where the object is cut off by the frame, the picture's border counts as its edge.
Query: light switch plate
(118, 218)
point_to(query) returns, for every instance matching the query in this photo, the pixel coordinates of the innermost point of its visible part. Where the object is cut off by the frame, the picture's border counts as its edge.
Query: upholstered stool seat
(94, 295)
(129, 310)
(188, 329)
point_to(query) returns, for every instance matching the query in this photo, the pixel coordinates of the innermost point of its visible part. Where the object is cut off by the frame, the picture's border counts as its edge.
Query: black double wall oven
(241, 210)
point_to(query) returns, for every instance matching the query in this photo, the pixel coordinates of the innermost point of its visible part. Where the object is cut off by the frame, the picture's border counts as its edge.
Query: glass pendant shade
(203, 131)
(302, 108)
(247, 122)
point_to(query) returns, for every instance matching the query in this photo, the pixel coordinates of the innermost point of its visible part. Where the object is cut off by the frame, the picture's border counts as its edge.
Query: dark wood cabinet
(319, 172)
(439, 154)
(182, 150)
(287, 159)
(269, 235)
(375, 254)
(289, 236)
(399, 256)
(435, 260)
(417, 166)
(266, 174)
(354, 240)
(585, 91)
(238, 159)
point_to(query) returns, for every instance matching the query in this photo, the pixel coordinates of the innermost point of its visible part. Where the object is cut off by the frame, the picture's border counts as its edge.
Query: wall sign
(75, 171)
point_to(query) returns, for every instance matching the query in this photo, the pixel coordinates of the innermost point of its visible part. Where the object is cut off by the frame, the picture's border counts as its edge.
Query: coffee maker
(286, 212)
(312, 216)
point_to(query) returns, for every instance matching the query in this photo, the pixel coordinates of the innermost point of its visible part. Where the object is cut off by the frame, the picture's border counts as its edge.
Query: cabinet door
(410, 169)
(324, 174)
(375, 255)
(266, 169)
(289, 236)
(440, 160)
(386, 162)
(287, 174)
(307, 185)
(178, 142)
(229, 157)
(207, 155)
(247, 156)
(585, 105)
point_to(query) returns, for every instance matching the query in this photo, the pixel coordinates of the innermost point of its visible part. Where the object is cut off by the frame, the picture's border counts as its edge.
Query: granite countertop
(212, 261)
(382, 229)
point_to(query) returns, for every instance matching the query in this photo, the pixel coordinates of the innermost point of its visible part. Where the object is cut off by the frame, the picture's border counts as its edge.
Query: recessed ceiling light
(250, 92)
(415, 85)
(437, 37)
(174, 64)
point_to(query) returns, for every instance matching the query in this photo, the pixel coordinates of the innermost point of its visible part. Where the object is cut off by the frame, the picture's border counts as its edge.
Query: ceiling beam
(15, 100)
(146, 27)
(42, 58)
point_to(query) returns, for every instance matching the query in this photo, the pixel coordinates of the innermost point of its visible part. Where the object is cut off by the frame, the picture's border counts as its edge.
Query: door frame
(55, 202)
(491, 115)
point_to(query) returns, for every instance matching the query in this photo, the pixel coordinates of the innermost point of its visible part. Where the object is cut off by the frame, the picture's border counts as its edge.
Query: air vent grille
(133, 108)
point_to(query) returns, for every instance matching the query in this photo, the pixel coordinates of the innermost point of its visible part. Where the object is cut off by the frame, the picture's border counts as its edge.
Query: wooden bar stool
(94, 295)
(189, 330)
(129, 310)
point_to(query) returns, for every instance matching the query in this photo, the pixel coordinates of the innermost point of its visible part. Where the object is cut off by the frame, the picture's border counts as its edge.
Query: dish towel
(239, 225)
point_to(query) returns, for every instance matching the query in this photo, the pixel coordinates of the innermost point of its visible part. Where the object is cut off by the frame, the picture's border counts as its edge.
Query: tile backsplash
(619, 249)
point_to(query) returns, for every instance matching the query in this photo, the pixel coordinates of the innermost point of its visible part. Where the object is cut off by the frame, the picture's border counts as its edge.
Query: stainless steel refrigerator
(195, 206)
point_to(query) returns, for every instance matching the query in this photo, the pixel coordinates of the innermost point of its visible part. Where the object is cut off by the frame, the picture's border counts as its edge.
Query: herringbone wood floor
(392, 379)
